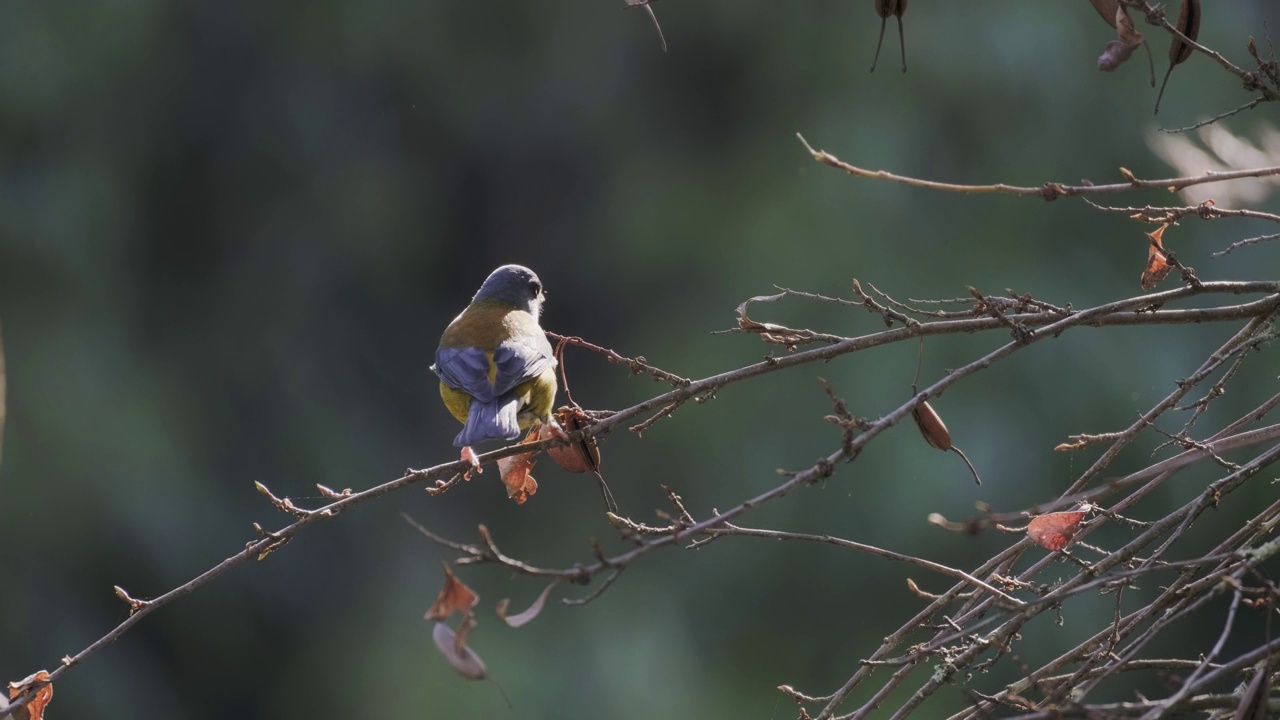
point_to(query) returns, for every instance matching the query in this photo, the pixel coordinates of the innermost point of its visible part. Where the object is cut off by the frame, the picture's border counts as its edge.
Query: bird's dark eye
(535, 286)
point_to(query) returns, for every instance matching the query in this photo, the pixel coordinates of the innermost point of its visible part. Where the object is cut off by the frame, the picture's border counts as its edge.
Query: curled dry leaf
(454, 597)
(1158, 265)
(1053, 531)
(462, 658)
(1189, 25)
(516, 470)
(524, 618)
(1128, 39)
(34, 709)
(769, 332)
(1125, 31)
(885, 8)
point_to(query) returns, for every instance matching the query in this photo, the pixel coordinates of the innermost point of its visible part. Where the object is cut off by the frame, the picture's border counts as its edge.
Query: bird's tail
(497, 420)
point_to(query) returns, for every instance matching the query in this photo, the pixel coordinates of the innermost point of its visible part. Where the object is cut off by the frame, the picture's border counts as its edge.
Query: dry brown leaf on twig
(770, 332)
(1158, 265)
(517, 470)
(1054, 531)
(454, 597)
(34, 709)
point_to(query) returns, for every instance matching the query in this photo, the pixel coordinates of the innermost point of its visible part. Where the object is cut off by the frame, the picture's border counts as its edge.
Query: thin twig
(1221, 116)
(1047, 191)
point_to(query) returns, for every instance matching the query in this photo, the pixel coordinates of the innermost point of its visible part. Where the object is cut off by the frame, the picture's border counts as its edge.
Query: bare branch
(1047, 191)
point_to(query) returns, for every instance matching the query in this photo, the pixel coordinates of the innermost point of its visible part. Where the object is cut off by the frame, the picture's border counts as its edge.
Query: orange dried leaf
(1158, 265)
(516, 476)
(34, 709)
(528, 615)
(454, 596)
(1053, 531)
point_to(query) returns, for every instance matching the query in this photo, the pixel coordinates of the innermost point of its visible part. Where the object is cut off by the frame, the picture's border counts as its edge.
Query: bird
(497, 370)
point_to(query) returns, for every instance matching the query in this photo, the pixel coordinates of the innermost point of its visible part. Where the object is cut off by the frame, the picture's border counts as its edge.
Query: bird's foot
(469, 456)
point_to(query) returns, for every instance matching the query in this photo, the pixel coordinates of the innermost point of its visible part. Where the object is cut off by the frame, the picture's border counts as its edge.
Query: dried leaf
(528, 615)
(454, 597)
(770, 332)
(1128, 39)
(885, 8)
(1158, 265)
(516, 470)
(1125, 31)
(455, 651)
(1053, 531)
(750, 325)
(34, 709)
(1189, 25)
(516, 476)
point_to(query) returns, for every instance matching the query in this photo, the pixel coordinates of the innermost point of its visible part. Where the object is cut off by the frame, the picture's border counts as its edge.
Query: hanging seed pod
(936, 434)
(885, 8)
(579, 457)
(1179, 51)
(931, 426)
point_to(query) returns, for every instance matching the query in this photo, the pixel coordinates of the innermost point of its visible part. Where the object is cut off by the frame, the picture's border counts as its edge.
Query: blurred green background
(231, 233)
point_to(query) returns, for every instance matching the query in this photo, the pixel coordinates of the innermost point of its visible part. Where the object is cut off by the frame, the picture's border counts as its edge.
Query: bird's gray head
(516, 285)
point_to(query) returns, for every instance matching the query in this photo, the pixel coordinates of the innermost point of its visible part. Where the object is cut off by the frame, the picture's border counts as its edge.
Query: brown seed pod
(931, 426)
(578, 457)
(581, 456)
(936, 434)
(885, 8)
(1179, 51)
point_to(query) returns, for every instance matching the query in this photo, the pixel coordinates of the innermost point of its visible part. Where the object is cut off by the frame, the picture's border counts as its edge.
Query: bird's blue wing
(465, 369)
(520, 359)
(515, 360)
